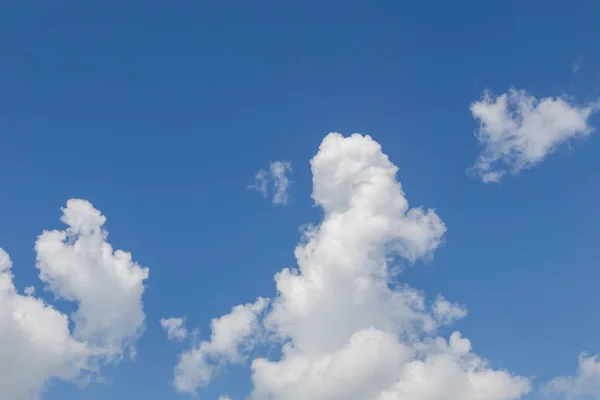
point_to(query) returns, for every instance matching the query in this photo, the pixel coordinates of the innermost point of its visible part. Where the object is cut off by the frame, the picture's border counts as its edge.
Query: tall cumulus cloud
(77, 264)
(345, 327)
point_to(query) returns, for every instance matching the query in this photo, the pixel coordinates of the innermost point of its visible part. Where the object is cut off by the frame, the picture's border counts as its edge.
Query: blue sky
(160, 115)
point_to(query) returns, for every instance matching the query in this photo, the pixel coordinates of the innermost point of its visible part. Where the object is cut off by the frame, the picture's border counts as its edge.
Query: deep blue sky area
(160, 113)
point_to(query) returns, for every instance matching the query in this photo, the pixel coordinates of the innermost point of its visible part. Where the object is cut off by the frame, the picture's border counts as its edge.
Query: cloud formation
(277, 179)
(78, 265)
(517, 131)
(232, 335)
(345, 328)
(586, 384)
(175, 328)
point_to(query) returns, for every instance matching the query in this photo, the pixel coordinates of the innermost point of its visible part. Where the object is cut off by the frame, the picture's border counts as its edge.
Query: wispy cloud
(175, 328)
(275, 178)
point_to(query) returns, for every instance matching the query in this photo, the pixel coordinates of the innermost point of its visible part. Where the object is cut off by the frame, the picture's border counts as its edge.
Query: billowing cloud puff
(232, 335)
(517, 131)
(78, 265)
(345, 328)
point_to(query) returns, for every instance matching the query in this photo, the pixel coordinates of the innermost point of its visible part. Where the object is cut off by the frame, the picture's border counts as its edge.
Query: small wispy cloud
(281, 183)
(261, 182)
(175, 328)
(275, 177)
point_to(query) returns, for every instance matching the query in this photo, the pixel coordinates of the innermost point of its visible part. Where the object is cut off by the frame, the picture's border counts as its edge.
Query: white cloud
(517, 131)
(445, 312)
(232, 335)
(345, 329)
(175, 328)
(78, 265)
(277, 177)
(224, 397)
(586, 384)
(261, 183)
(281, 183)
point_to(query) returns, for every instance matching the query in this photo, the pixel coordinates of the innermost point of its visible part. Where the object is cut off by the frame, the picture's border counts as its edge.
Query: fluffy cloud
(345, 328)
(517, 131)
(232, 335)
(586, 384)
(175, 328)
(77, 265)
(277, 178)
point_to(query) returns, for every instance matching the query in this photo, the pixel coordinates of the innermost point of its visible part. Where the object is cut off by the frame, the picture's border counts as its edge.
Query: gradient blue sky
(160, 115)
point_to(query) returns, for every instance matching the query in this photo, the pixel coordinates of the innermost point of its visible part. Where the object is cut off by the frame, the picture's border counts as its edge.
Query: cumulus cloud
(232, 336)
(37, 345)
(277, 179)
(345, 328)
(586, 384)
(175, 328)
(517, 131)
